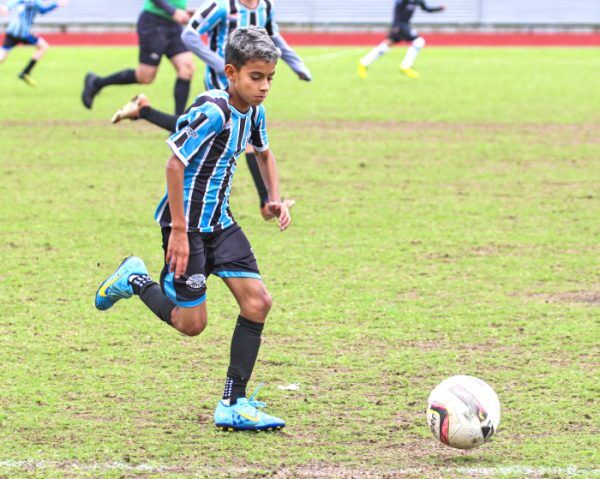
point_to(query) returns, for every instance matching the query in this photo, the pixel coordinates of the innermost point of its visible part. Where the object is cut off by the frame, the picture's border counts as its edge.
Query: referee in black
(159, 30)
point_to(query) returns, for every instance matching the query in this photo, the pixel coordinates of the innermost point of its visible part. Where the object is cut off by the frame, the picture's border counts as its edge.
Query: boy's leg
(411, 54)
(376, 53)
(139, 107)
(179, 302)
(235, 411)
(255, 303)
(232, 259)
(132, 278)
(184, 66)
(41, 46)
(8, 44)
(152, 44)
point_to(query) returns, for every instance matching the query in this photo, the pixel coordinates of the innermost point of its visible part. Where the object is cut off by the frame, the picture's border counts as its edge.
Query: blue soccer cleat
(245, 415)
(117, 286)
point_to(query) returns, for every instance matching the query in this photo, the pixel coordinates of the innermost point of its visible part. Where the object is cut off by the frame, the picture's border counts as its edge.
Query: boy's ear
(231, 72)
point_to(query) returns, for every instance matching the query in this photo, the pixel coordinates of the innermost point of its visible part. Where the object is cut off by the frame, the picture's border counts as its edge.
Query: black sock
(29, 67)
(182, 92)
(244, 350)
(124, 77)
(263, 194)
(158, 118)
(153, 297)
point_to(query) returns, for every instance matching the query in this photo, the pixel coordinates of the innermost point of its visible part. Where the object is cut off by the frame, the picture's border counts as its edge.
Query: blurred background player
(19, 31)
(216, 18)
(401, 31)
(159, 30)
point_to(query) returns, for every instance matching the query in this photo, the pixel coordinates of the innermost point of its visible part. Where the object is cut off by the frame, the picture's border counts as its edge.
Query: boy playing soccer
(199, 233)
(401, 31)
(19, 31)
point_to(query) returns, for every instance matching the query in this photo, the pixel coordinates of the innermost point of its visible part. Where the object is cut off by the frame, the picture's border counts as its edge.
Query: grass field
(444, 226)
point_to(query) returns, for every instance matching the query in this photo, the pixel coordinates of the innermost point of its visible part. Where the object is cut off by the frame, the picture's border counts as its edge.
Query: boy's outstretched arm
(178, 250)
(207, 17)
(289, 56)
(429, 9)
(268, 170)
(44, 8)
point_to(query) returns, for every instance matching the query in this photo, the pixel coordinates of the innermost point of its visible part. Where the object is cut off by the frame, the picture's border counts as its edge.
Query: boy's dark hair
(250, 44)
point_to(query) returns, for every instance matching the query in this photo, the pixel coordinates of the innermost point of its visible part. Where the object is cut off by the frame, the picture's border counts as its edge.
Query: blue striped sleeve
(44, 8)
(194, 130)
(208, 16)
(258, 137)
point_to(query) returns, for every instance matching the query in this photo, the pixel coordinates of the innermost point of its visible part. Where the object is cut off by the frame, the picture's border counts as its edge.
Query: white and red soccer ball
(463, 412)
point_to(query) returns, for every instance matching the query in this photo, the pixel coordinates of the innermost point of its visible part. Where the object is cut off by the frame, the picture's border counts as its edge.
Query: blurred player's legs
(373, 55)
(184, 66)
(41, 48)
(411, 55)
(158, 37)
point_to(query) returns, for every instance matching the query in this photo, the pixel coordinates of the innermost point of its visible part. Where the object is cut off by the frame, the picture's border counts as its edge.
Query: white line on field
(528, 471)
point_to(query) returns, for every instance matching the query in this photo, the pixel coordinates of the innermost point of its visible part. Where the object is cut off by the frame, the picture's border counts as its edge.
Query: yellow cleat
(27, 78)
(410, 73)
(362, 71)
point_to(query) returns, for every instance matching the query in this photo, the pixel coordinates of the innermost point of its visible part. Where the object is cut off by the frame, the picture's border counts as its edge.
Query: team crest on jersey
(190, 132)
(196, 281)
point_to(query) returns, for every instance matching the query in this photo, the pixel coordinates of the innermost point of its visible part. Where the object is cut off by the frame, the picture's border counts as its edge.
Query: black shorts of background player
(401, 31)
(159, 31)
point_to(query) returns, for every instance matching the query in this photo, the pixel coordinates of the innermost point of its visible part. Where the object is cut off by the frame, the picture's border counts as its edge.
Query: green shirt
(149, 6)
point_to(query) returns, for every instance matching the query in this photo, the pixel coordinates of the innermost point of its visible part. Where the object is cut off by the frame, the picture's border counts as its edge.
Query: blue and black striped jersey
(26, 11)
(216, 18)
(208, 140)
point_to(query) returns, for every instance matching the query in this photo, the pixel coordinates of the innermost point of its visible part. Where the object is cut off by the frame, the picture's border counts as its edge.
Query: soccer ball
(463, 412)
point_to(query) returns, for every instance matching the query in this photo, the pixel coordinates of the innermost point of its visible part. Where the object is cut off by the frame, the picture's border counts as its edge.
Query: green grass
(443, 226)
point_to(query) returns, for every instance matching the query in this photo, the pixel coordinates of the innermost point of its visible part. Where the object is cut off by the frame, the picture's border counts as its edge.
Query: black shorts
(226, 254)
(402, 32)
(158, 36)
(11, 41)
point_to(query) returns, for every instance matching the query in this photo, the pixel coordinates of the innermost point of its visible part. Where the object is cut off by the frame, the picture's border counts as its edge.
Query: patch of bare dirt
(586, 297)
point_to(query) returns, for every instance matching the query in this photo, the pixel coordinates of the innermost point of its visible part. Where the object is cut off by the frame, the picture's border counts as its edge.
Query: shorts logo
(196, 281)
(190, 132)
(154, 56)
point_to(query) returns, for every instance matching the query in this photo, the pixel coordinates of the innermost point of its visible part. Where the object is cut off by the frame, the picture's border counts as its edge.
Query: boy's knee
(194, 328)
(145, 79)
(419, 42)
(186, 71)
(260, 305)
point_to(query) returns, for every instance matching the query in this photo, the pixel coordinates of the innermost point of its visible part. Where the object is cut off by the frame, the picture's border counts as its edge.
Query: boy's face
(252, 82)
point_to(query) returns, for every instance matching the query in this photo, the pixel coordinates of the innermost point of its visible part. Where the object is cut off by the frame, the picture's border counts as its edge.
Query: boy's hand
(178, 252)
(63, 3)
(3, 10)
(181, 16)
(282, 212)
(305, 76)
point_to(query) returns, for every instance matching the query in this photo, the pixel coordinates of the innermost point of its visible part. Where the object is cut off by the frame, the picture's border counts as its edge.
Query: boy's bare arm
(178, 250)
